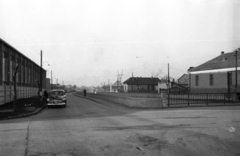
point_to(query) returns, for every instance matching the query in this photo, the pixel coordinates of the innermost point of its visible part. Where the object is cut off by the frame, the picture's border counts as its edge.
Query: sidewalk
(25, 107)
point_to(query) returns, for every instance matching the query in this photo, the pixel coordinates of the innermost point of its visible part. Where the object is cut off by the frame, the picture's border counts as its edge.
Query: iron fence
(202, 98)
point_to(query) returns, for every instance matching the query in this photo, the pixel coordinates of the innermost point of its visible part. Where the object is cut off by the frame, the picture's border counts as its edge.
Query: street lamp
(168, 79)
(47, 63)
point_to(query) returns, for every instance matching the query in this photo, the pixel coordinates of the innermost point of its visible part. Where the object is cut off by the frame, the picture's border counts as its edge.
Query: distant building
(162, 86)
(141, 84)
(117, 87)
(48, 85)
(184, 80)
(173, 87)
(217, 75)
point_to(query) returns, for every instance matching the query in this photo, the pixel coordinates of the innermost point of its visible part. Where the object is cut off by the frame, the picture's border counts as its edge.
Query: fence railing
(202, 98)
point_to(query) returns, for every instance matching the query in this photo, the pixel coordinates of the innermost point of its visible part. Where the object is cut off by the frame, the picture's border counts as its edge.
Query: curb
(26, 114)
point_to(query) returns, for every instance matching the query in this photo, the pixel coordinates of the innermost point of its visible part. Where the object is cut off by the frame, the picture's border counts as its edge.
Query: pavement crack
(27, 140)
(139, 148)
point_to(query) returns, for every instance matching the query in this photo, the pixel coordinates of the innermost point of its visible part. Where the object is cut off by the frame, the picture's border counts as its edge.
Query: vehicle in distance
(57, 97)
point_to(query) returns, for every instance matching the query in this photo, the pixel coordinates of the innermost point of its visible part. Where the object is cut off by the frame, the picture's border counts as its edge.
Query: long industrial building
(27, 78)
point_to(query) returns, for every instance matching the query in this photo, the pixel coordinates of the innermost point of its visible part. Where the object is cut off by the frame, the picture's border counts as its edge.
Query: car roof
(57, 90)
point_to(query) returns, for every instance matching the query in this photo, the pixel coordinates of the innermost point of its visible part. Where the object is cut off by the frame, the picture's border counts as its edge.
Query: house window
(197, 80)
(230, 78)
(211, 80)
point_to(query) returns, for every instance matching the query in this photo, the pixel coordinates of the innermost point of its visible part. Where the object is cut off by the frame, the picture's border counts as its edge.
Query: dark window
(13, 56)
(57, 93)
(4, 52)
(211, 80)
(230, 78)
(197, 80)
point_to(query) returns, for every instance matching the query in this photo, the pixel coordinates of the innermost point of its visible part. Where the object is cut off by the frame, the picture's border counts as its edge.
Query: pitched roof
(175, 85)
(142, 81)
(184, 79)
(222, 61)
(117, 84)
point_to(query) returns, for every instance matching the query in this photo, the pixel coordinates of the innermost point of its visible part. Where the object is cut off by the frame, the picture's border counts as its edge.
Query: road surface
(88, 128)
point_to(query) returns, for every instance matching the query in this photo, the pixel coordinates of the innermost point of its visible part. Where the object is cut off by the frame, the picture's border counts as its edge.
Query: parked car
(57, 97)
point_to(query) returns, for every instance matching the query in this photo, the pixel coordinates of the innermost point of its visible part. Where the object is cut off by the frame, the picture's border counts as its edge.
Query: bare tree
(165, 78)
(157, 74)
(15, 87)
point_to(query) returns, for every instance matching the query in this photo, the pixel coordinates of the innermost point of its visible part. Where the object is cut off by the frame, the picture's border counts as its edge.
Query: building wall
(220, 83)
(27, 77)
(1, 68)
(141, 88)
(125, 87)
(48, 85)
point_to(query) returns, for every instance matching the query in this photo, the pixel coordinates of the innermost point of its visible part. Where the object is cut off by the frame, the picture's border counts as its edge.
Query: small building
(184, 80)
(117, 87)
(217, 75)
(162, 86)
(48, 85)
(141, 84)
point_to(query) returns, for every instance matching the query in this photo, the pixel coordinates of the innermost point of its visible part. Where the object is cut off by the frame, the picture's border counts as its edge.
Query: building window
(211, 80)
(197, 80)
(230, 79)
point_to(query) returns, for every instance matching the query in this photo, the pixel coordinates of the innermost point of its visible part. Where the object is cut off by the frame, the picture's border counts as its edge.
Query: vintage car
(57, 97)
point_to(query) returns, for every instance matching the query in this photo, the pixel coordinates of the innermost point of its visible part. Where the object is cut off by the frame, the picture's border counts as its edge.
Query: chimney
(222, 54)
(190, 68)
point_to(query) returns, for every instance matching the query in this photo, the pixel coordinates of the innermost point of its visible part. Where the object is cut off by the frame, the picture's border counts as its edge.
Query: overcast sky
(87, 42)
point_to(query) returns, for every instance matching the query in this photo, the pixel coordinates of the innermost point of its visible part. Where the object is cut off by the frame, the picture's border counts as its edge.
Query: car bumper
(57, 104)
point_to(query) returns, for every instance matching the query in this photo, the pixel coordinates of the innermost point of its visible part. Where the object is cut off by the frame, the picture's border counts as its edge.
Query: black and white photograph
(119, 77)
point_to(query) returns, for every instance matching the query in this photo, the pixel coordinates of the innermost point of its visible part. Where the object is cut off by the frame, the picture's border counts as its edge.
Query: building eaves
(222, 61)
(142, 81)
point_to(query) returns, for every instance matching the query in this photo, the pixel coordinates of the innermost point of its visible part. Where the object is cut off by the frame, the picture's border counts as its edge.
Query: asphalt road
(86, 127)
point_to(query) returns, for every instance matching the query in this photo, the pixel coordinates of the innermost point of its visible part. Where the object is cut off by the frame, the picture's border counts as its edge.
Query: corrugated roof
(142, 81)
(222, 61)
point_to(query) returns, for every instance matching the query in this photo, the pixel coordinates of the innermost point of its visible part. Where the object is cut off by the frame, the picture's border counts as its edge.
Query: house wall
(141, 88)
(220, 83)
(125, 87)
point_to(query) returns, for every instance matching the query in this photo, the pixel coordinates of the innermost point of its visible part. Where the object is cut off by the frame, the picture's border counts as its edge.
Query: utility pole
(51, 80)
(41, 72)
(168, 78)
(132, 81)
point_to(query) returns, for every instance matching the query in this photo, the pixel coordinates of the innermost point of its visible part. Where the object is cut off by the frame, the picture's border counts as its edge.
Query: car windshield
(57, 93)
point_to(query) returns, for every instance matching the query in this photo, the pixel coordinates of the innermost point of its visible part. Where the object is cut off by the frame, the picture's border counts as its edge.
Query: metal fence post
(224, 98)
(168, 99)
(207, 98)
